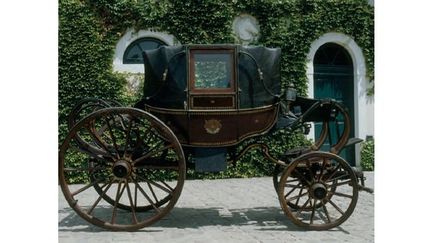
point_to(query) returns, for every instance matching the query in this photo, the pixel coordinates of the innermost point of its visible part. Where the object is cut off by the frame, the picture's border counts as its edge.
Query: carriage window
(212, 70)
(133, 54)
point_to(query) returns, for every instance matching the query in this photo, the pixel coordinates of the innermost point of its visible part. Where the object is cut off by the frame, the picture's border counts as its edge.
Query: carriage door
(212, 78)
(333, 78)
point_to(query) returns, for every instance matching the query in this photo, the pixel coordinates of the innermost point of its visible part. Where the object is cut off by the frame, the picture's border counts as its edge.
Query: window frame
(193, 89)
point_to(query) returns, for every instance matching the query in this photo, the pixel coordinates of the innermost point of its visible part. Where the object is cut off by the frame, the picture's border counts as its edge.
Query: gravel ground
(231, 210)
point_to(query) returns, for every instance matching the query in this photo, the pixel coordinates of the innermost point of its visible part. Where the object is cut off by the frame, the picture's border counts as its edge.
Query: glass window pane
(149, 45)
(212, 70)
(133, 53)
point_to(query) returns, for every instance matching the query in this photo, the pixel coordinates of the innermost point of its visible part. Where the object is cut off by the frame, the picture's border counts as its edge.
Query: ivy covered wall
(89, 31)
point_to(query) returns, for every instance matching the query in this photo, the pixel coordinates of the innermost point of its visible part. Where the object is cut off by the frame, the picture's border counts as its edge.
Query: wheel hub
(121, 169)
(318, 191)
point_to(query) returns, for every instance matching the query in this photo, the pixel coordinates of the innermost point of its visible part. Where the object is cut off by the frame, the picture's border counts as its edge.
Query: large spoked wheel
(132, 166)
(323, 188)
(277, 172)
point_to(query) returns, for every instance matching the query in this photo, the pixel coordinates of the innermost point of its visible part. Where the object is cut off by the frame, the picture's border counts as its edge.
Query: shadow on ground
(261, 218)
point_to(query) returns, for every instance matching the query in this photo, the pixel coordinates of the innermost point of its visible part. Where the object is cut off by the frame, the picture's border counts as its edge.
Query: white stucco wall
(363, 104)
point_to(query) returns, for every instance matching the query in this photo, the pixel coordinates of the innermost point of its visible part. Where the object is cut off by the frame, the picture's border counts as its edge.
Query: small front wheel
(318, 191)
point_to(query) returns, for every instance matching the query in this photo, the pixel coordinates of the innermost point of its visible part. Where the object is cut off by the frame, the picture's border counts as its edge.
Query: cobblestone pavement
(231, 210)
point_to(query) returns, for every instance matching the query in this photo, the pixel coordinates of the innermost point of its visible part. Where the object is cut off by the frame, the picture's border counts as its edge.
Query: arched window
(332, 54)
(133, 53)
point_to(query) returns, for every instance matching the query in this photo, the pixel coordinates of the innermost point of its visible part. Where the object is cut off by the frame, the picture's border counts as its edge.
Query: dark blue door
(333, 78)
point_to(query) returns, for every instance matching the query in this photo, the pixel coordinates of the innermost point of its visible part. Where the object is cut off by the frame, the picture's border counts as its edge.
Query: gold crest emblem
(212, 126)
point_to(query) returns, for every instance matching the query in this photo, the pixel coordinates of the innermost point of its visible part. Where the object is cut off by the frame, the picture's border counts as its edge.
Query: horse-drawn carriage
(204, 106)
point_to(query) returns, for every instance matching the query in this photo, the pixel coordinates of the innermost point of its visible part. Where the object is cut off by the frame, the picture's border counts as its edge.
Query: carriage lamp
(290, 93)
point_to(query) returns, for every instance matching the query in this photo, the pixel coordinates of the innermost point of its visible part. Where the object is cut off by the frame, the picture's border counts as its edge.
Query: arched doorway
(334, 78)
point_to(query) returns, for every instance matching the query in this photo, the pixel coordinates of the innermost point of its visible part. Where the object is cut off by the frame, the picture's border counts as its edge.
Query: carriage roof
(166, 74)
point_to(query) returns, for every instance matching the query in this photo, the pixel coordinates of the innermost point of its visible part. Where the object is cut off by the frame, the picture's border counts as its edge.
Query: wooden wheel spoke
(286, 195)
(293, 186)
(147, 133)
(342, 195)
(90, 169)
(100, 142)
(326, 212)
(294, 180)
(157, 185)
(168, 186)
(133, 206)
(122, 122)
(113, 138)
(333, 173)
(308, 164)
(302, 207)
(128, 133)
(313, 211)
(302, 177)
(322, 169)
(118, 196)
(298, 196)
(336, 207)
(298, 199)
(146, 196)
(100, 196)
(157, 167)
(151, 153)
(86, 150)
(136, 195)
(87, 186)
(152, 191)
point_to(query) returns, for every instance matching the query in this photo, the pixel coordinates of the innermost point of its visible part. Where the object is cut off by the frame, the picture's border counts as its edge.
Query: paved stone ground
(232, 210)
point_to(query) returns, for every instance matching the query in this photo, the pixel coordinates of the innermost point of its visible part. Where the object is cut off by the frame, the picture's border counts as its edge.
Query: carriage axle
(122, 169)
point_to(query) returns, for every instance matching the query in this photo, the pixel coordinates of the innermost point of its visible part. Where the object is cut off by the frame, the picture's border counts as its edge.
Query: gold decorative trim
(211, 112)
(212, 126)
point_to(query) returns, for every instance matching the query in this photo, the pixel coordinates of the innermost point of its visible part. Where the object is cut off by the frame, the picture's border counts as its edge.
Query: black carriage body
(208, 115)
(215, 96)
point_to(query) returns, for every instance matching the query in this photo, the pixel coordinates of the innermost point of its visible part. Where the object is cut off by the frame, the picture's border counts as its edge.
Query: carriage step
(353, 141)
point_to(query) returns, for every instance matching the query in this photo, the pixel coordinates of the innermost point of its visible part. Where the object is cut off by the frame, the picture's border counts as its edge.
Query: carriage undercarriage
(134, 160)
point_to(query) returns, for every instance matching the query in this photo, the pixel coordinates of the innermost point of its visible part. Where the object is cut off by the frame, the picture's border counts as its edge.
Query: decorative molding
(246, 28)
